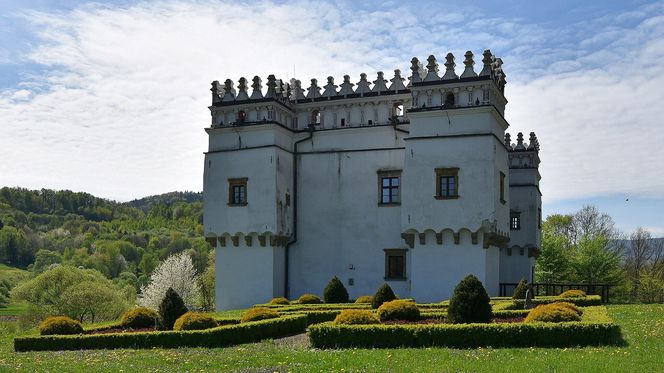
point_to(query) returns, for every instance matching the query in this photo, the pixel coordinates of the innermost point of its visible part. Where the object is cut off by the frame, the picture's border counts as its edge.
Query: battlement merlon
(523, 159)
(425, 90)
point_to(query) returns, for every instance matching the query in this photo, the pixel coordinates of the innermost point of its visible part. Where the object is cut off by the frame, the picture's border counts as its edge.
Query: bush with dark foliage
(383, 294)
(335, 292)
(520, 290)
(171, 308)
(469, 303)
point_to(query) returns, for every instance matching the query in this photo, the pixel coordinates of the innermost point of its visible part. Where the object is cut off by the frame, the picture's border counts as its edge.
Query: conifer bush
(520, 290)
(364, 299)
(259, 313)
(60, 325)
(552, 312)
(398, 310)
(469, 303)
(194, 321)
(383, 294)
(356, 317)
(279, 301)
(309, 299)
(335, 292)
(140, 317)
(171, 308)
(574, 293)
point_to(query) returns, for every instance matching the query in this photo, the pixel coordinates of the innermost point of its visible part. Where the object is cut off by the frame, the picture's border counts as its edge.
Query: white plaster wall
(247, 275)
(514, 267)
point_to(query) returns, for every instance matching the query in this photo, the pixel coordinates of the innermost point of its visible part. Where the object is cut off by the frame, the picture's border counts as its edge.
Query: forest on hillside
(124, 241)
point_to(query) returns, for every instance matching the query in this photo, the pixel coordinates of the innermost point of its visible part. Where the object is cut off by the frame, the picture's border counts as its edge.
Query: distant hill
(167, 199)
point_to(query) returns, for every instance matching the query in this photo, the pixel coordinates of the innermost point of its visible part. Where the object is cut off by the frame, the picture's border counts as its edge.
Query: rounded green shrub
(335, 292)
(399, 310)
(574, 293)
(279, 301)
(383, 294)
(309, 299)
(171, 308)
(469, 303)
(356, 317)
(259, 313)
(194, 321)
(569, 306)
(140, 317)
(364, 299)
(552, 312)
(520, 290)
(60, 325)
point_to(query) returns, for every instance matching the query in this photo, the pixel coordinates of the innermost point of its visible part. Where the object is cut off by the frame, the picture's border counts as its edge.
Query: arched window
(449, 99)
(241, 116)
(397, 109)
(315, 117)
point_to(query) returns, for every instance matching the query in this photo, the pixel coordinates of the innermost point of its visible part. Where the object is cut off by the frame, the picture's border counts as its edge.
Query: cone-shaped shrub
(171, 308)
(520, 290)
(383, 294)
(469, 303)
(335, 292)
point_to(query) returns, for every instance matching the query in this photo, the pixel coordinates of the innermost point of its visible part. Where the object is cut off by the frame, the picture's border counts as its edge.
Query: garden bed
(216, 337)
(595, 328)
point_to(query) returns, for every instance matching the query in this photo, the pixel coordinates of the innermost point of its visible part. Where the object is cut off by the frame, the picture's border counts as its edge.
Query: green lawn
(642, 326)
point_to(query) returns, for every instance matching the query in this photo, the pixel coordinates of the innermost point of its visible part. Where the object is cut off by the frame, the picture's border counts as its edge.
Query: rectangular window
(395, 264)
(237, 192)
(389, 187)
(539, 217)
(502, 188)
(343, 122)
(447, 183)
(515, 221)
(270, 114)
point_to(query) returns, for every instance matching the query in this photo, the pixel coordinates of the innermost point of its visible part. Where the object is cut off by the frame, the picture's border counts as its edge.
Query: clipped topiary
(398, 310)
(171, 308)
(574, 293)
(279, 301)
(60, 325)
(520, 290)
(469, 303)
(140, 317)
(569, 306)
(335, 292)
(364, 299)
(309, 299)
(552, 312)
(259, 313)
(383, 294)
(356, 317)
(194, 321)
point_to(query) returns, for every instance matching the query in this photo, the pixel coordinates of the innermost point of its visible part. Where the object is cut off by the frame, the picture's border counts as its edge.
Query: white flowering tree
(176, 272)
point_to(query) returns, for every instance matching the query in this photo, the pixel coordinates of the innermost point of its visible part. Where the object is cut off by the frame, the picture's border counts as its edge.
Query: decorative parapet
(523, 155)
(490, 236)
(248, 240)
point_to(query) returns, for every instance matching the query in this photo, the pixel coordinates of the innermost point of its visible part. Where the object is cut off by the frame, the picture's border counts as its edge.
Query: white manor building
(411, 183)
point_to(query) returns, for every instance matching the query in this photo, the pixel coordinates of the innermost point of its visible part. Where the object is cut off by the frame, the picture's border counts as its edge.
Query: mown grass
(14, 309)
(642, 326)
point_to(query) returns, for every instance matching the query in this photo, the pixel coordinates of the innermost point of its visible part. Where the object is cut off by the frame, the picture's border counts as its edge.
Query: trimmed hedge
(259, 313)
(364, 299)
(574, 293)
(60, 325)
(195, 321)
(553, 312)
(589, 301)
(596, 328)
(356, 317)
(309, 299)
(140, 317)
(279, 301)
(215, 337)
(398, 310)
(315, 307)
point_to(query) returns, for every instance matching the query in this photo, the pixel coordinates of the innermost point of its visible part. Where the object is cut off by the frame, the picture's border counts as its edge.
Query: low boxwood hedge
(591, 300)
(596, 328)
(215, 337)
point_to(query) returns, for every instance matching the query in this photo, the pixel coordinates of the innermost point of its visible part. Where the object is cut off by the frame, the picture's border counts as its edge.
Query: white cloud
(121, 108)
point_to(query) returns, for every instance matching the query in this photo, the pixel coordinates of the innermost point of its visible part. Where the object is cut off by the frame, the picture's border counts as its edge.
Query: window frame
(396, 253)
(389, 174)
(446, 173)
(517, 216)
(502, 188)
(232, 184)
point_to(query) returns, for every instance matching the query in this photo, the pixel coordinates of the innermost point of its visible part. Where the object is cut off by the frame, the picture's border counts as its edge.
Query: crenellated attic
(522, 155)
(364, 103)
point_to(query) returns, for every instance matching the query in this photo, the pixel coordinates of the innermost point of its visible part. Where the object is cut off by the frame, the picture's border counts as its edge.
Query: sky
(111, 98)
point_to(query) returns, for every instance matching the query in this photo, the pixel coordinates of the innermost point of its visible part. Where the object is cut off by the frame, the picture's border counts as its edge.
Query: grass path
(642, 325)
